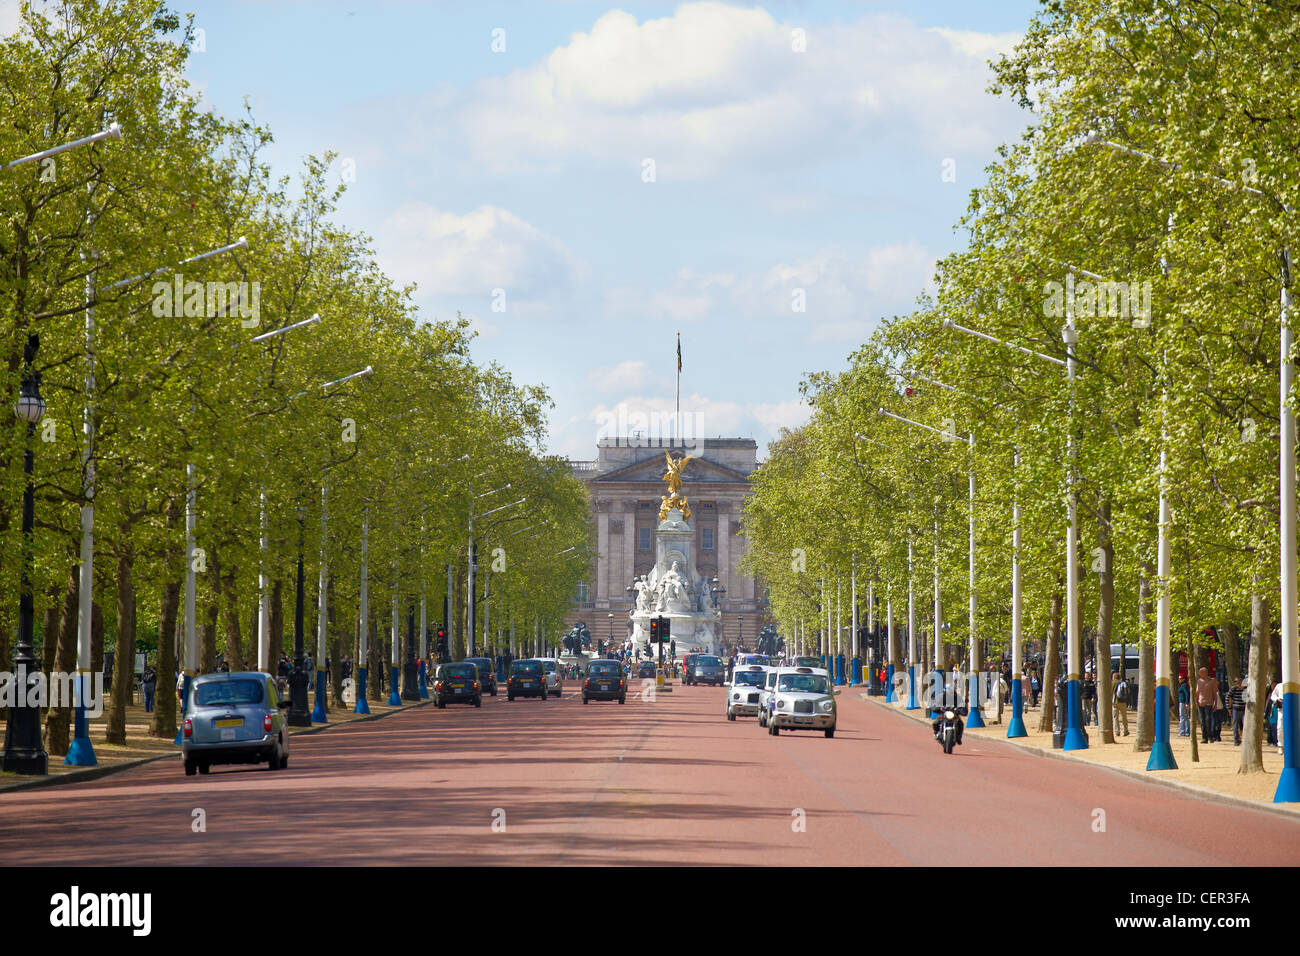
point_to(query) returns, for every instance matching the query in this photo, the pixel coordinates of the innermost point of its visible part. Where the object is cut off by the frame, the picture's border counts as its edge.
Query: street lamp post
(1074, 737)
(361, 706)
(410, 671)
(299, 716)
(322, 609)
(24, 751)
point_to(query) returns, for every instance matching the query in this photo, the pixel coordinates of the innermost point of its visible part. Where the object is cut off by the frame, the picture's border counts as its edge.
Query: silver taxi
(234, 718)
(801, 700)
(741, 696)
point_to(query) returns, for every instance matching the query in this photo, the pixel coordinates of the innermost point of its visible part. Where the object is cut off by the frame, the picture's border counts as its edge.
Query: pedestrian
(1089, 695)
(1026, 690)
(1120, 716)
(149, 683)
(1034, 688)
(1207, 694)
(180, 687)
(1238, 698)
(1184, 707)
(1276, 724)
(1222, 712)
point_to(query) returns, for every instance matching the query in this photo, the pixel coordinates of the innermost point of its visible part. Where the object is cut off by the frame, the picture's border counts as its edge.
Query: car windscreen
(749, 678)
(532, 667)
(550, 666)
(482, 663)
(707, 662)
(460, 670)
(217, 692)
(807, 662)
(608, 670)
(802, 683)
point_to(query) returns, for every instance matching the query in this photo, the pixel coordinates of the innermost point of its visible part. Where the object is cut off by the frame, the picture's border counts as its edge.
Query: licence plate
(803, 720)
(228, 733)
(529, 683)
(604, 685)
(457, 686)
(229, 722)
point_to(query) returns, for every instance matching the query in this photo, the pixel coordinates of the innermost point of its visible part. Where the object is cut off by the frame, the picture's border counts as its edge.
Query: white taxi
(801, 700)
(741, 696)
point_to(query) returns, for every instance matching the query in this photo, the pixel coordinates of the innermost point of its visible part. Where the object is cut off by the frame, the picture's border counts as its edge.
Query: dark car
(487, 675)
(604, 681)
(457, 683)
(706, 669)
(527, 679)
(646, 669)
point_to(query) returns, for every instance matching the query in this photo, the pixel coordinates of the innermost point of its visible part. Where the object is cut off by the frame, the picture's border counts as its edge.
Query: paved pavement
(668, 781)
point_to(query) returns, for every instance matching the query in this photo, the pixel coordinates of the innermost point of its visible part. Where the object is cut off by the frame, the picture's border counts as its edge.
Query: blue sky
(525, 170)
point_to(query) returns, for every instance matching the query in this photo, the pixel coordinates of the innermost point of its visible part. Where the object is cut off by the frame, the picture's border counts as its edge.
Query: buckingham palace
(624, 485)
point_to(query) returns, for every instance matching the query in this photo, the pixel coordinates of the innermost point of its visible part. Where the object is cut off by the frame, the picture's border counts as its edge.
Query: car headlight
(828, 706)
(735, 697)
(781, 703)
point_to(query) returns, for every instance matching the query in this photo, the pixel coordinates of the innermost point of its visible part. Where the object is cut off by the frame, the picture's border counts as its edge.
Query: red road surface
(666, 781)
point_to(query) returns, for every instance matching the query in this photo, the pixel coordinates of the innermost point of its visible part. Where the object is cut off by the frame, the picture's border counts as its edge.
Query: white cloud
(470, 255)
(627, 374)
(844, 292)
(715, 88)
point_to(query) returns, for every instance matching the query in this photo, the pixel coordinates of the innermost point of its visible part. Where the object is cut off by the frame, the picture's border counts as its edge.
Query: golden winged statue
(674, 498)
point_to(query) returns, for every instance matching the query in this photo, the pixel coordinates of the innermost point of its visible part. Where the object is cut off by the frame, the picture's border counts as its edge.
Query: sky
(582, 181)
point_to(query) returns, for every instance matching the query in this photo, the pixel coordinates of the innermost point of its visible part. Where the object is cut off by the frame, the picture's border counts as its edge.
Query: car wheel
(442, 705)
(584, 699)
(731, 715)
(204, 767)
(190, 768)
(510, 697)
(543, 695)
(273, 761)
(830, 732)
(284, 762)
(773, 729)
(622, 700)
(494, 691)
(478, 701)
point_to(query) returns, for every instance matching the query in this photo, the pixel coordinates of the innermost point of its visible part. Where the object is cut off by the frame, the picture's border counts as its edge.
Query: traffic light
(665, 628)
(654, 630)
(441, 643)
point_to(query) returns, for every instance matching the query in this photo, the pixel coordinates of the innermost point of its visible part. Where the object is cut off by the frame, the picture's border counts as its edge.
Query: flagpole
(678, 414)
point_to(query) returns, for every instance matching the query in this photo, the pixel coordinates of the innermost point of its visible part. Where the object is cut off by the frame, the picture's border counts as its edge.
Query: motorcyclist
(950, 702)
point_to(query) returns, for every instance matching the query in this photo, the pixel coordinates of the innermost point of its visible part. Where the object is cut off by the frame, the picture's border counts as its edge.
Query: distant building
(625, 486)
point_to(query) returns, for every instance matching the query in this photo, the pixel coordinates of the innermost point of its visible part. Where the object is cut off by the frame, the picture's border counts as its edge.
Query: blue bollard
(362, 706)
(855, 671)
(82, 752)
(318, 712)
(911, 688)
(1016, 728)
(424, 680)
(1162, 755)
(394, 698)
(1288, 781)
(889, 684)
(974, 712)
(1074, 738)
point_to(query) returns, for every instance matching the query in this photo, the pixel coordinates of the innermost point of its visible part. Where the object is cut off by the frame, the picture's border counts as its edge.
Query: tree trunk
(254, 637)
(234, 640)
(1145, 718)
(208, 649)
(164, 708)
(1231, 651)
(1192, 674)
(50, 630)
(1105, 619)
(124, 657)
(336, 661)
(1252, 735)
(1051, 663)
(373, 660)
(59, 715)
(96, 638)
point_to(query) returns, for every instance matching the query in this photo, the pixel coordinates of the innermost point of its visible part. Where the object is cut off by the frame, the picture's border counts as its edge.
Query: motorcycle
(947, 725)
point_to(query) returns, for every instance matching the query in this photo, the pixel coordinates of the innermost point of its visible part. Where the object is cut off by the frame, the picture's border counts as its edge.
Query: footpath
(141, 748)
(1213, 777)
